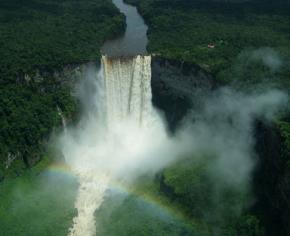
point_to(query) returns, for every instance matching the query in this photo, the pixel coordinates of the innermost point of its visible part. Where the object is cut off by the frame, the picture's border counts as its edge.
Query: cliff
(178, 87)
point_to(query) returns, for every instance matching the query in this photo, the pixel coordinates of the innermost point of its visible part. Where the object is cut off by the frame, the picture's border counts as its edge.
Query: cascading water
(128, 89)
(63, 120)
(91, 194)
(114, 138)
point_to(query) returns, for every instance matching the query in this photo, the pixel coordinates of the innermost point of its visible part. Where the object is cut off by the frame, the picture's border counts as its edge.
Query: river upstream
(134, 41)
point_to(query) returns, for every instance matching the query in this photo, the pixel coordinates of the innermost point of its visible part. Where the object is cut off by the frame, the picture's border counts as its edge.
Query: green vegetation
(183, 200)
(135, 216)
(53, 33)
(38, 203)
(142, 209)
(183, 29)
(40, 35)
(217, 206)
(41, 203)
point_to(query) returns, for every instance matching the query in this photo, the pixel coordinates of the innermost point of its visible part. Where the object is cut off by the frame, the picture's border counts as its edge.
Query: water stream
(134, 41)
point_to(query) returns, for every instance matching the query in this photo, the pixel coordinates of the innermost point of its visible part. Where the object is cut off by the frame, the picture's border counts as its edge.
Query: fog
(269, 57)
(223, 129)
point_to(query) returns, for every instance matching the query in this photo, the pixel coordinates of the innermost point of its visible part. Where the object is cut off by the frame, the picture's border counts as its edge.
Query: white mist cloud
(222, 129)
(269, 57)
(123, 151)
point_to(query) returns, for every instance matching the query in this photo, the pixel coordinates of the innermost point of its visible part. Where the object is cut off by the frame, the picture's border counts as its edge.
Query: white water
(63, 120)
(91, 194)
(128, 90)
(114, 140)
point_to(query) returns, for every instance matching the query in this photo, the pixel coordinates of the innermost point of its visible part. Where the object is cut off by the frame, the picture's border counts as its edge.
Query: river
(134, 40)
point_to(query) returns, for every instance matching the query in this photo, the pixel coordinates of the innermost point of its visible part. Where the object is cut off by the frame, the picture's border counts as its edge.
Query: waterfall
(91, 194)
(63, 120)
(128, 89)
(109, 147)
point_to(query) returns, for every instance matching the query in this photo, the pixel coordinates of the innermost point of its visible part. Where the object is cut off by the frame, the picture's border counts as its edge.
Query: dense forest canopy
(230, 27)
(53, 33)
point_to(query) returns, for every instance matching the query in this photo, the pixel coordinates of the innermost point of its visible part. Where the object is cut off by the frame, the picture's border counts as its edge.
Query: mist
(124, 149)
(224, 129)
(221, 132)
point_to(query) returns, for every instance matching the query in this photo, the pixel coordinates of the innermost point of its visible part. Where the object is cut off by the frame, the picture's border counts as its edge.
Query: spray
(114, 136)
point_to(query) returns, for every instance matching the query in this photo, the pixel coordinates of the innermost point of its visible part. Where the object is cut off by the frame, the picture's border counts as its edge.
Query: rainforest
(144, 117)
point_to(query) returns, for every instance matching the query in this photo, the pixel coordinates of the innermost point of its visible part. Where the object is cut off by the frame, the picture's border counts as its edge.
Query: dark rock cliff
(272, 180)
(178, 87)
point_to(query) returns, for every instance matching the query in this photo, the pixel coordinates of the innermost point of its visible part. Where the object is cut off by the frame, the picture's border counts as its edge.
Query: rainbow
(156, 202)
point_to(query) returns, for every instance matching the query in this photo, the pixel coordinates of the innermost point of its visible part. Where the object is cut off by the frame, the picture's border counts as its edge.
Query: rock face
(49, 80)
(272, 181)
(177, 87)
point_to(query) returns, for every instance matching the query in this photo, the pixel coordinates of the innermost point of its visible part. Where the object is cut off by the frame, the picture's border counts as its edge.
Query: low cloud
(269, 57)
(224, 129)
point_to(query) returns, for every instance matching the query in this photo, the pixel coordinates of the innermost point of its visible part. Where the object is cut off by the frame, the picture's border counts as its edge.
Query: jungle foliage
(185, 29)
(38, 203)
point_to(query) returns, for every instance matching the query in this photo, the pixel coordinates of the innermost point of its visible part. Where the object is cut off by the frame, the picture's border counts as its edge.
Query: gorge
(156, 146)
